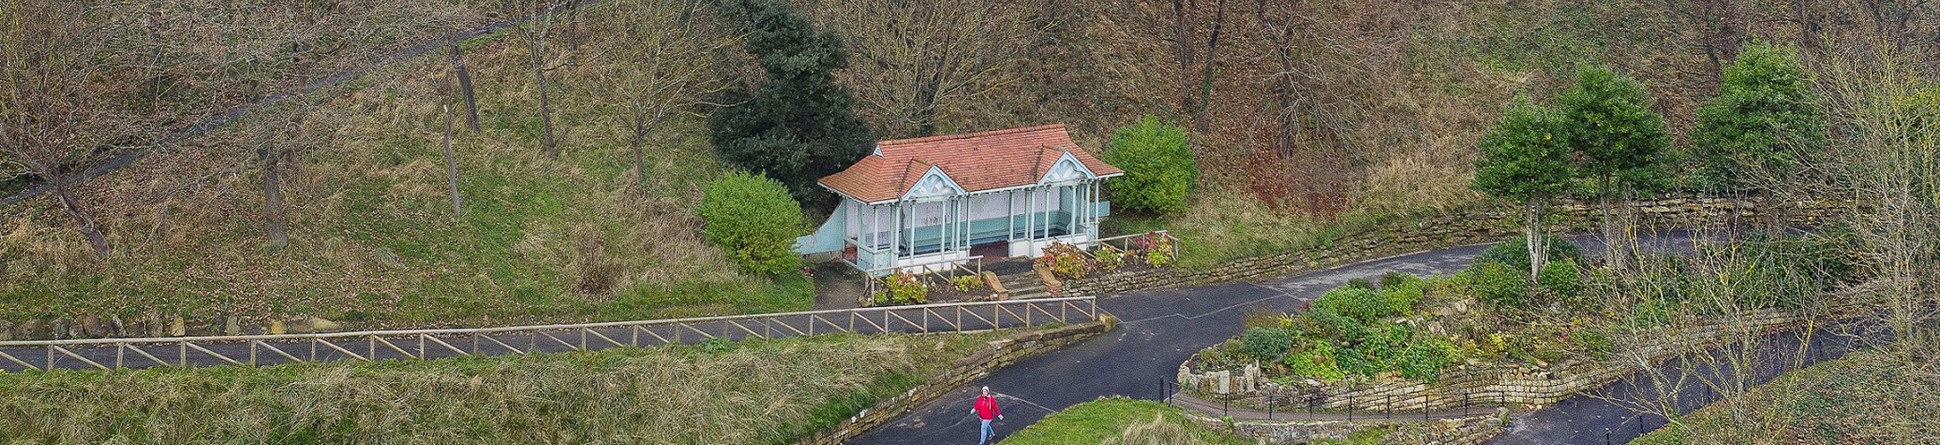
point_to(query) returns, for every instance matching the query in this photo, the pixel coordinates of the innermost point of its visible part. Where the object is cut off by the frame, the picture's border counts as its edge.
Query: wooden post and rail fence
(421, 344)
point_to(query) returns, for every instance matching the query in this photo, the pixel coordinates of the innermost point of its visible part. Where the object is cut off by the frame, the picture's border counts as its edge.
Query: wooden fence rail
(421, 344)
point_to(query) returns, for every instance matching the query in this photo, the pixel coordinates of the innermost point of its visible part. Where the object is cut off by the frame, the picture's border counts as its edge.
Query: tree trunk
(546, 142)
(465, 87)
(451, 165)
(1532, 232)
(273, 201)
(1614, 241)
(639, 156)
(1182, 32)
(83, 218)
(1206, 76)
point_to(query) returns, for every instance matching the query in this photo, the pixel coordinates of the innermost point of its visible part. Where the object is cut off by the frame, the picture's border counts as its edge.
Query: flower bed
(1493, 323)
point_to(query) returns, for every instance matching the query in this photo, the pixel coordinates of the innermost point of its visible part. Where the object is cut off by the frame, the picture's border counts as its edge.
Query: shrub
(1159, 250)
(754, 221)
(1497, 283)
(1317, 363)
(1109, 258)
(1562, 281)
(1159, 167)
(1397, 278)
(1065, 261)
(1359, 283)
(799, 124)
(1327, 324)
(1364, 305)
(1402, 296)
(1267, 345)
(1424, 360)
(1766, 120)
(966, 283)
(1515, 252)
(902, 288)
(1594, 342)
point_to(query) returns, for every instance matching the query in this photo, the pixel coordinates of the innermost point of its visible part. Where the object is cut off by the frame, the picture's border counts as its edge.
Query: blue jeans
(987, 432)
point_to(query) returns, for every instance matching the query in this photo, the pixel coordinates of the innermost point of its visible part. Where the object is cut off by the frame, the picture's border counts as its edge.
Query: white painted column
(1010, 215)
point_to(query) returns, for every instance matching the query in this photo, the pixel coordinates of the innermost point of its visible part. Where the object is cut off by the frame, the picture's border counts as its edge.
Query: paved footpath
(1162, 328)
(1159, 329)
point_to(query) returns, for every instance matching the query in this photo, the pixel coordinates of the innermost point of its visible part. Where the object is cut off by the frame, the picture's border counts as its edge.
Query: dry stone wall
(1472, 227)
(1487, 384)
(1463, 431)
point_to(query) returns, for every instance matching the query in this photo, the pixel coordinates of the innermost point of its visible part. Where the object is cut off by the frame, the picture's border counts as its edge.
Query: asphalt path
(1157, 331)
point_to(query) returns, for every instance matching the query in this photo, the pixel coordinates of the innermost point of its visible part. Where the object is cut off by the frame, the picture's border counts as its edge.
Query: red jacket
(987, 407)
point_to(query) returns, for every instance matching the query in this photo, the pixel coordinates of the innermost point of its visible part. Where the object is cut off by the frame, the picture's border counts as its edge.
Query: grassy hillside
(1866, 397)
(1123, 422)
(1321, 116)
(753, 392)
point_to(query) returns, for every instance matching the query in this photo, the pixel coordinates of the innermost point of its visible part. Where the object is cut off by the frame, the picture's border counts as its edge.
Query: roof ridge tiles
(979, 134)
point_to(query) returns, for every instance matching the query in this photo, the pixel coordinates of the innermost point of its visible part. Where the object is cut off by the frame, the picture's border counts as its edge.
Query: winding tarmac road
(1160, 329)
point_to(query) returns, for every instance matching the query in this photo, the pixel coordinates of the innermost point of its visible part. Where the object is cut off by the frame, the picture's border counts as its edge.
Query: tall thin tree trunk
(1614, 241)
(1182, 32)
(1206, 76)
(273, 200)
(1532, 232)
(537, 46)
(451, 164)
(639, 156)
(83, 217)
(545, 108)
(465, 87)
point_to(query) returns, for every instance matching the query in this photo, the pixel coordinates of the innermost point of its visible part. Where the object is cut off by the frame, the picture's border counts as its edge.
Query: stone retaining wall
(997, 355)
(1464, 431)
(1439, 232)
(1488, 385)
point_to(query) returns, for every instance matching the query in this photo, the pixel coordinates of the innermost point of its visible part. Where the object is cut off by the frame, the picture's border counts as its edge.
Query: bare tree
(1195, 89)
(1693, 333)
(465, 87)
(537, 31)
(451, 165)
(920, 57)
(1883, 167)
(53, 115)
(664, 53)
(1715, 27)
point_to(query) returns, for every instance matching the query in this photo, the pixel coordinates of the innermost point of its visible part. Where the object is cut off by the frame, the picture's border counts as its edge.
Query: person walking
(986, 409)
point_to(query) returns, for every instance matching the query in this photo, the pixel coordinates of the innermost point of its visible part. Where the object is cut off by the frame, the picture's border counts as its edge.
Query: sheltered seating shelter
(934, 202)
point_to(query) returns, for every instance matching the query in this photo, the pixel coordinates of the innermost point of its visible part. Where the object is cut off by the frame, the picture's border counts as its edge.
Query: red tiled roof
(980, 161)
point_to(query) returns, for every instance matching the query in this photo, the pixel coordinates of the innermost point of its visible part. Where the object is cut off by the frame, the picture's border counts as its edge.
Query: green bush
(1561, 281)
(1327, 324)
(1515, 252)
(1402, 295)
(1265, 344)
(1594, 342)
(1317, 363)
(1397, 278)
(1159, 167)
(1424, 360)
(902, 288)
(753, 219)
(1497, 283)
(1359, 283)
(1363, 304)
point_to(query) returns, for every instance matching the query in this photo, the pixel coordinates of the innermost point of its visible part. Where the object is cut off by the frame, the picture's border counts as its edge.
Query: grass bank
(1884, 396)
(752, 392)
(1121, 421)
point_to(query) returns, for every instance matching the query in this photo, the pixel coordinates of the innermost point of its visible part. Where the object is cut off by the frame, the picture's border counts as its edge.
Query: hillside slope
(1318, 115)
